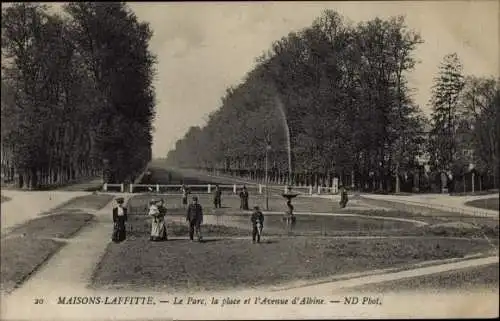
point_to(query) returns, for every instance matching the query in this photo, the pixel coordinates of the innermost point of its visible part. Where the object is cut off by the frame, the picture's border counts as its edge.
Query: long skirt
(119, 233)
(158, 230)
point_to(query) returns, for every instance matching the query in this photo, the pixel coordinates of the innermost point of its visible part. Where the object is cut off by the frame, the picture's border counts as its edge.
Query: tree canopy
(80, 94)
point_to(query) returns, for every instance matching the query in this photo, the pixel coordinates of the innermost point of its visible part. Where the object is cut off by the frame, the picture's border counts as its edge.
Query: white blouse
(120, 211)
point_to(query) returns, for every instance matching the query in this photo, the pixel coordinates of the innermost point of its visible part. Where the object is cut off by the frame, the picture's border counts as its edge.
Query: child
(257, 220)
(343, 198)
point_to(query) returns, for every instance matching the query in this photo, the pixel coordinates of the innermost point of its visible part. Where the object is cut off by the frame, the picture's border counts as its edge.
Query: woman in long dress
(158, 228)
(119, 219)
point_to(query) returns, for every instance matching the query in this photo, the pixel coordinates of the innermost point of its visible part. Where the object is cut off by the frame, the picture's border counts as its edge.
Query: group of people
(157, 211)
(194, 216)
(217, 197)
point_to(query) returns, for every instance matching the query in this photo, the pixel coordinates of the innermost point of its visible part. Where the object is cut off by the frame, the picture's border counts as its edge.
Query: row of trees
(341, 89)
(337, 95)
(77, 94)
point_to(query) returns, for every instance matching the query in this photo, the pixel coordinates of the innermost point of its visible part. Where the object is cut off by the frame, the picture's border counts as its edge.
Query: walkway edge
(364, 274)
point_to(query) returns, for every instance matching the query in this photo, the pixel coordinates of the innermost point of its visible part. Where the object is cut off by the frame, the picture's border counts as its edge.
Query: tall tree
(445, 105)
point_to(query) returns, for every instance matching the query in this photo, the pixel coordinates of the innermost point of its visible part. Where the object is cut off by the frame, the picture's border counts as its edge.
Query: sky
(205, 47)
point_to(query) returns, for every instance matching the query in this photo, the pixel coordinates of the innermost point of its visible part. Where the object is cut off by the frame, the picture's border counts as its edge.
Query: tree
(75, 97)
(479, 106)
(343, 92)
(445, 105)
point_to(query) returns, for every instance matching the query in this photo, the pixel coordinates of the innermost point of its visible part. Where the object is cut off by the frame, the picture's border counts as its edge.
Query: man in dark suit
(194, 217)
(257, 220)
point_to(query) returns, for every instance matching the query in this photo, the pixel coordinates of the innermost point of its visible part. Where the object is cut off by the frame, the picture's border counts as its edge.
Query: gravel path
(24, 206)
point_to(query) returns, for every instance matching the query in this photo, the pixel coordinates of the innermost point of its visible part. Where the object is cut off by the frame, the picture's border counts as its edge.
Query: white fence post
(260, 188)
(234, 188)
(122, 187)
(319, 189)
(131, 188)
(209, 188)
(157, 188)
(310, 190)
(105, 187)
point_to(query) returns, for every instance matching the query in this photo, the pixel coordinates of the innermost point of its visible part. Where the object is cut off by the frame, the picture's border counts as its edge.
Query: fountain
(289, 195)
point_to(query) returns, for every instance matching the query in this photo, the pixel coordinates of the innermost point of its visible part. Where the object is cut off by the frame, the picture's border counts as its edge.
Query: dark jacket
(194, 213)
(116, 217)
(257, 216)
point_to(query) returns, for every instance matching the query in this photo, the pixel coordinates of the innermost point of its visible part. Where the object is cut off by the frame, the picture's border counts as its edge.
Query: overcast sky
(203, 48)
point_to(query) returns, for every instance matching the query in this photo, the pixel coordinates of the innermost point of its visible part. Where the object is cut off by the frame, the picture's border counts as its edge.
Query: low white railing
(106, 187)
(208, 188)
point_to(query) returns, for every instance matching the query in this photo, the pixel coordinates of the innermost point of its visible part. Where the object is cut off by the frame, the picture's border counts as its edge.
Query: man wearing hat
(119, 219)
(195, 218)
(257, 220)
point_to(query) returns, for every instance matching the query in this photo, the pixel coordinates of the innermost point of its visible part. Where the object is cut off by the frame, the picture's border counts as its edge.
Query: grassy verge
(21, 256)
(57, 225)
(227, 264)
(29, 245)
(4, 199)
(484, 278)
(487, 203)
(93, 202)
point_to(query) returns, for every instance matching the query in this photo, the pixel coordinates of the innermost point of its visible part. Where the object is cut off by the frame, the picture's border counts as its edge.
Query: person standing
(185, 193)
(158, 229)
(257, 220)
(289, 218)
(217, 197)
(343, 197)
(244, 199)
(119, 219)
(194, 217)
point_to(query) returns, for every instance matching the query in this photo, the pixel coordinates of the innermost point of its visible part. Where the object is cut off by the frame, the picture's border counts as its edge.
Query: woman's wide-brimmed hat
(120, 200)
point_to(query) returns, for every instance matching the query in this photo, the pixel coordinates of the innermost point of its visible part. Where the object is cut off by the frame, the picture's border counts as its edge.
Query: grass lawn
(487, 203)
(29, 245)
(21, 256)
(484, 278)
(180, 265)
(93, 202)
(328, 225)
(231, 202)
(322, 225)
(57, 225)
(4, 199)
(140, 227)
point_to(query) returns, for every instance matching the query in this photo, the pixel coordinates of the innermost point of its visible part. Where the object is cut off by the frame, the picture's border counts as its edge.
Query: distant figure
(289, 218)
(119, 219)
(244, 199)
(217, 197)
(195, 218)
(343, 197)
(257, 220)
(158, 229)
(185, 192)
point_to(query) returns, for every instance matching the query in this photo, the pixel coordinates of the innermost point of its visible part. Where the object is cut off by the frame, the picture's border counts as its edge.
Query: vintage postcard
(250, 160)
